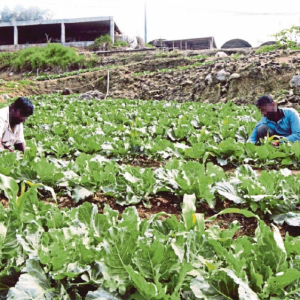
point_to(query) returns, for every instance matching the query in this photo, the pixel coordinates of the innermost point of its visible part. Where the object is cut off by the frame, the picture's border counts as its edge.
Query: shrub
(285, 39)
(120, 44)
(103, 42)
(149, 45)
(6, 59)
(53, 55)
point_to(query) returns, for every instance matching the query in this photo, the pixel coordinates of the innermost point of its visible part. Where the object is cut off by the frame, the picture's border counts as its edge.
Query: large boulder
(221, 54)
(295, 84)
(222, 75)
(92, 95)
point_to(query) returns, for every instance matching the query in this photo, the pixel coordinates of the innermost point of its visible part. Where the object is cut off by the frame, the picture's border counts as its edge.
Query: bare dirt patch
(287, 59)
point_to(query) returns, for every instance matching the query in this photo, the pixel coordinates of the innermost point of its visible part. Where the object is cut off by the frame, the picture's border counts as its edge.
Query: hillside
(183, 76)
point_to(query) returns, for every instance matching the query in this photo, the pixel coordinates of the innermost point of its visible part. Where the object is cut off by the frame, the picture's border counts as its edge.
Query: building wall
(21, 35)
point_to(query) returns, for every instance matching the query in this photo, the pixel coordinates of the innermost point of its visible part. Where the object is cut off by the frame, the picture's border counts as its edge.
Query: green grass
(9, 86)
(236, 56)
(199, 57)
(179, 68)
(162, 54)
(6, 58)
(120, 44)
(25, 82)
(269, 48)
(149, 45)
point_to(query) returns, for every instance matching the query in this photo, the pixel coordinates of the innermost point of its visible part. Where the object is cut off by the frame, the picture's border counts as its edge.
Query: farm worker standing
(283, 122)
(11, 124)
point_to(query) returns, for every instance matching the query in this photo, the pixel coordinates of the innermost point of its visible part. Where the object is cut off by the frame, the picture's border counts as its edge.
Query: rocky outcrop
(92, 95)
(241, 77)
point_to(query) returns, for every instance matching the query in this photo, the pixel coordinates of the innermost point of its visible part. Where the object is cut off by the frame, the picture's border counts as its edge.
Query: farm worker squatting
(284, 122)
(11, 124)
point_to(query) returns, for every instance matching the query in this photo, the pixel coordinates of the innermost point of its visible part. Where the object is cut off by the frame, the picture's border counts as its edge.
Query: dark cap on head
(263, 100)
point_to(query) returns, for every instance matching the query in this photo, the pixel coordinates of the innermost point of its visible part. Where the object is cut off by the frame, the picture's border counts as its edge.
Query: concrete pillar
(63, 34)
(16, 35)
(180, 45)
(112, 30)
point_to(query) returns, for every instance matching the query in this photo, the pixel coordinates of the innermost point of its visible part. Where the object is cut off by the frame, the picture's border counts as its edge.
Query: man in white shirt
(11, 124)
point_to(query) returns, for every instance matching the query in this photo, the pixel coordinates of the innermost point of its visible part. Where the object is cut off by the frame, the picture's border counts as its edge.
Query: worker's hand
(7, 148)
(276, 143)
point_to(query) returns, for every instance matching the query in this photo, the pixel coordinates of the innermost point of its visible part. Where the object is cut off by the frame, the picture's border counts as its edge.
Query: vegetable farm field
(134, 199)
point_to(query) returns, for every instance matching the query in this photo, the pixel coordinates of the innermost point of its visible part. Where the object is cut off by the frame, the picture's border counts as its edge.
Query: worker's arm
(20, 142)
(20, 147)
(4, 147)
(2, 124)
(294, 121)
(253, 137)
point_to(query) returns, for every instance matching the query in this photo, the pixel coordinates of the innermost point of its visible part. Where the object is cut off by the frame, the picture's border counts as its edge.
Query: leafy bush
(285, 39)
(53, 55)
(149, 45)
(120, 44)
(103, 42)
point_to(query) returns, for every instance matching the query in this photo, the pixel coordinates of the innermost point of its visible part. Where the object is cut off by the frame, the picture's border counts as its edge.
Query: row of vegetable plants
(44, 77)
(270, 193)
(125, 129)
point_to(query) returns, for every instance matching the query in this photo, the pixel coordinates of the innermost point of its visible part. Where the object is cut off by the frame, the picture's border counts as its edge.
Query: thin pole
(107, 86)
(145, 21)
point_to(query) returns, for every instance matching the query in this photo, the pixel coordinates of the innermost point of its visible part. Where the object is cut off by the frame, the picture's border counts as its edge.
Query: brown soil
(170, 204)
(142, 162)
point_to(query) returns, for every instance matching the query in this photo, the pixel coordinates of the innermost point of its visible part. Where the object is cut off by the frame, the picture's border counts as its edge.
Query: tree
(19, 13)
